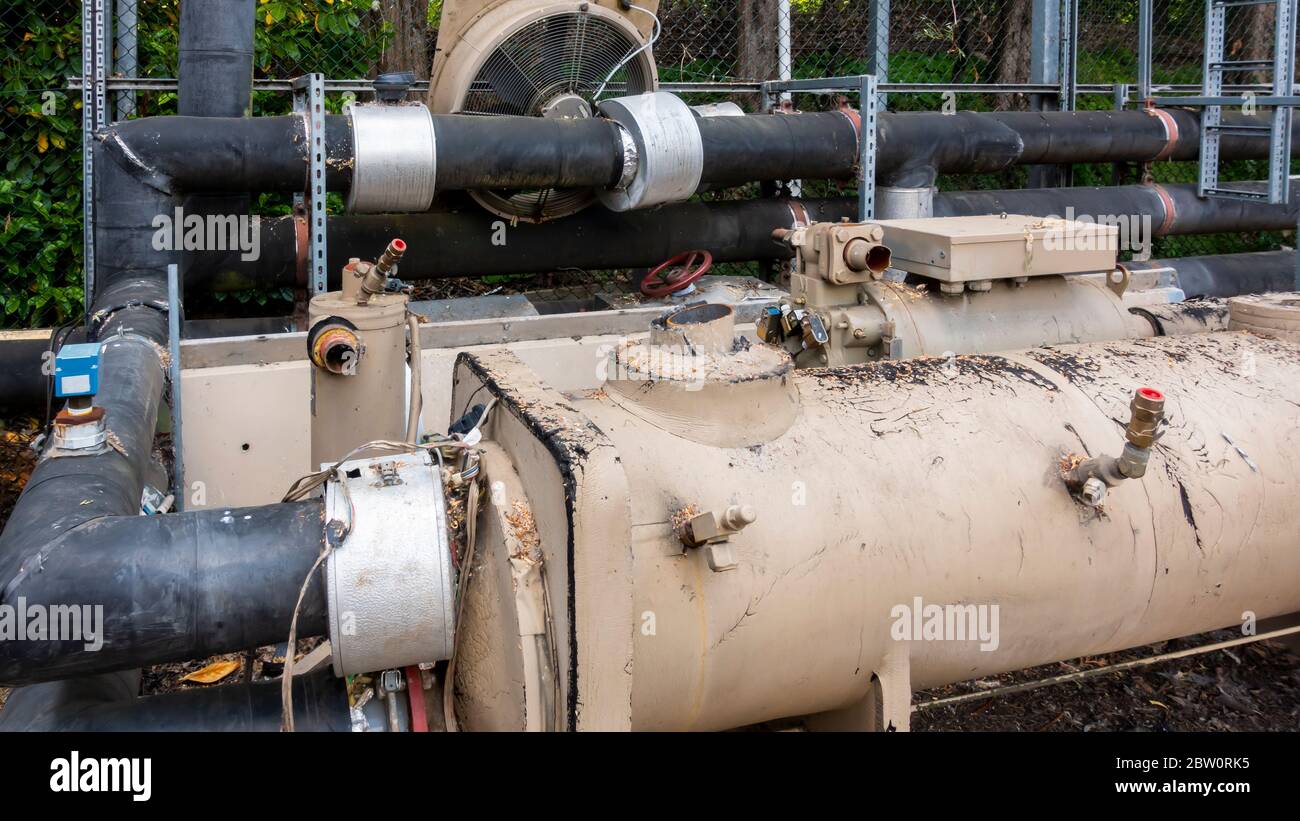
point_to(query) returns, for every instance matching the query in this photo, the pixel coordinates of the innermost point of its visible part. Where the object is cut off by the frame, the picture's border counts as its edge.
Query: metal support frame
(867, 102)
(309, 100)
(1053, 87)
(94, 59)
(174, 319)
(868, 90)
(1282, 100)
(1119, 99)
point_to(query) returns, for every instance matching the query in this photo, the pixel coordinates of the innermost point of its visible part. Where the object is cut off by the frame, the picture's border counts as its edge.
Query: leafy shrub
(40, 178)
(40, 174)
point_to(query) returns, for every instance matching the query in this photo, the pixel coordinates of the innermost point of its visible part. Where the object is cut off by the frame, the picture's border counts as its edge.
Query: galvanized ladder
(1282, 67)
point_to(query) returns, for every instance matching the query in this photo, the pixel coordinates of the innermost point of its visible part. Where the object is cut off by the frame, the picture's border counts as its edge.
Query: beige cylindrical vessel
(350, 409)
(935, 480)
(1048, 310)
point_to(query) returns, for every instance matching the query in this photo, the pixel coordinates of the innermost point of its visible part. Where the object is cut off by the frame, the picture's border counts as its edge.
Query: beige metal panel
(267, 406)
(961, 249)
(250, 350)
(577, 496)
(249, 432)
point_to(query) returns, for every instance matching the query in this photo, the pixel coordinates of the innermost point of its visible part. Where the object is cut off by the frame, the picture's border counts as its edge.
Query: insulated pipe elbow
(176, 155)
(65, 492)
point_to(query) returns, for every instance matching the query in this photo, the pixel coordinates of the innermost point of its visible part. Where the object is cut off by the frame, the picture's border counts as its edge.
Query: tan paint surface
(940, 480)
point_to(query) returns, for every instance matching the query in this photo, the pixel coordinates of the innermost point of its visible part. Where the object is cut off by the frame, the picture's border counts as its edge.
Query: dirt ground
(1251, 687)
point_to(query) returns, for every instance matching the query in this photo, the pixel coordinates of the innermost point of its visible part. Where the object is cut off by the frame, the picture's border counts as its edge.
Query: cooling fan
(538, 58)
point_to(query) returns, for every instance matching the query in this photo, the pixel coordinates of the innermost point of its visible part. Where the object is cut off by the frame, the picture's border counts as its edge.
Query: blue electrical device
(76, 370)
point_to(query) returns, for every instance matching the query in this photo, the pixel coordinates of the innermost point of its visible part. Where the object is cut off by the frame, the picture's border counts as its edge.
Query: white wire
(654, 35)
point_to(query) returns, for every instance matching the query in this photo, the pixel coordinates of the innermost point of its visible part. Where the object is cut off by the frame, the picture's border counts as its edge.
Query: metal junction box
(965, 249)
(76, 370)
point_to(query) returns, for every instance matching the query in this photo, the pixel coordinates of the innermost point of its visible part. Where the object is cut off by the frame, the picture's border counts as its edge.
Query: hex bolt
(736, 517)
(1093, 492)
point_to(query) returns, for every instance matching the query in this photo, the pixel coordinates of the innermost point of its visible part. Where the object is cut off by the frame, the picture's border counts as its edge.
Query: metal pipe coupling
(394, 158)
(669, 153)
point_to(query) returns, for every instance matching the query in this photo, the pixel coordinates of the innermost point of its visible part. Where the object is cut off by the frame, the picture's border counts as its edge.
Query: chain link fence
(715, 42)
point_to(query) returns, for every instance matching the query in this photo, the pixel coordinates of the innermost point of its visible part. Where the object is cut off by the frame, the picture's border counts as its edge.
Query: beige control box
(966, 249)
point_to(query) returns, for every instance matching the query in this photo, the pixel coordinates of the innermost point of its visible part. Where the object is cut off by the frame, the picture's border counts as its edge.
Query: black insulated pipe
(738, 231)
(1190, 214)
(913, 148)
(269, 154)
(177, 155)
(525, 152)
(1228, 275)
(215, 79)
(739, 150)
(109, 704)
(593, 239)
(169, 588)
(215, 69)
(66, 492)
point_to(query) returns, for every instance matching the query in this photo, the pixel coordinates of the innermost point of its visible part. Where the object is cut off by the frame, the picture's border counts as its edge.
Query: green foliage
(294, 38)
(40, 176)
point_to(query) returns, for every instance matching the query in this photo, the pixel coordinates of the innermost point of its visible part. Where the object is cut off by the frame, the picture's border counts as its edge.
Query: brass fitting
(1146, 412)
(1091, 478)
(374, 276)
(391, 256)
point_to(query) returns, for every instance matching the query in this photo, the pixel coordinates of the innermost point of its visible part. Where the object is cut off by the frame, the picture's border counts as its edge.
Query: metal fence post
(1069, 53)
(1045, 42)
(174, 328)
(127, 60)
(1144, 50)
(878, 55)
(1044, 69)
(783, 35)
